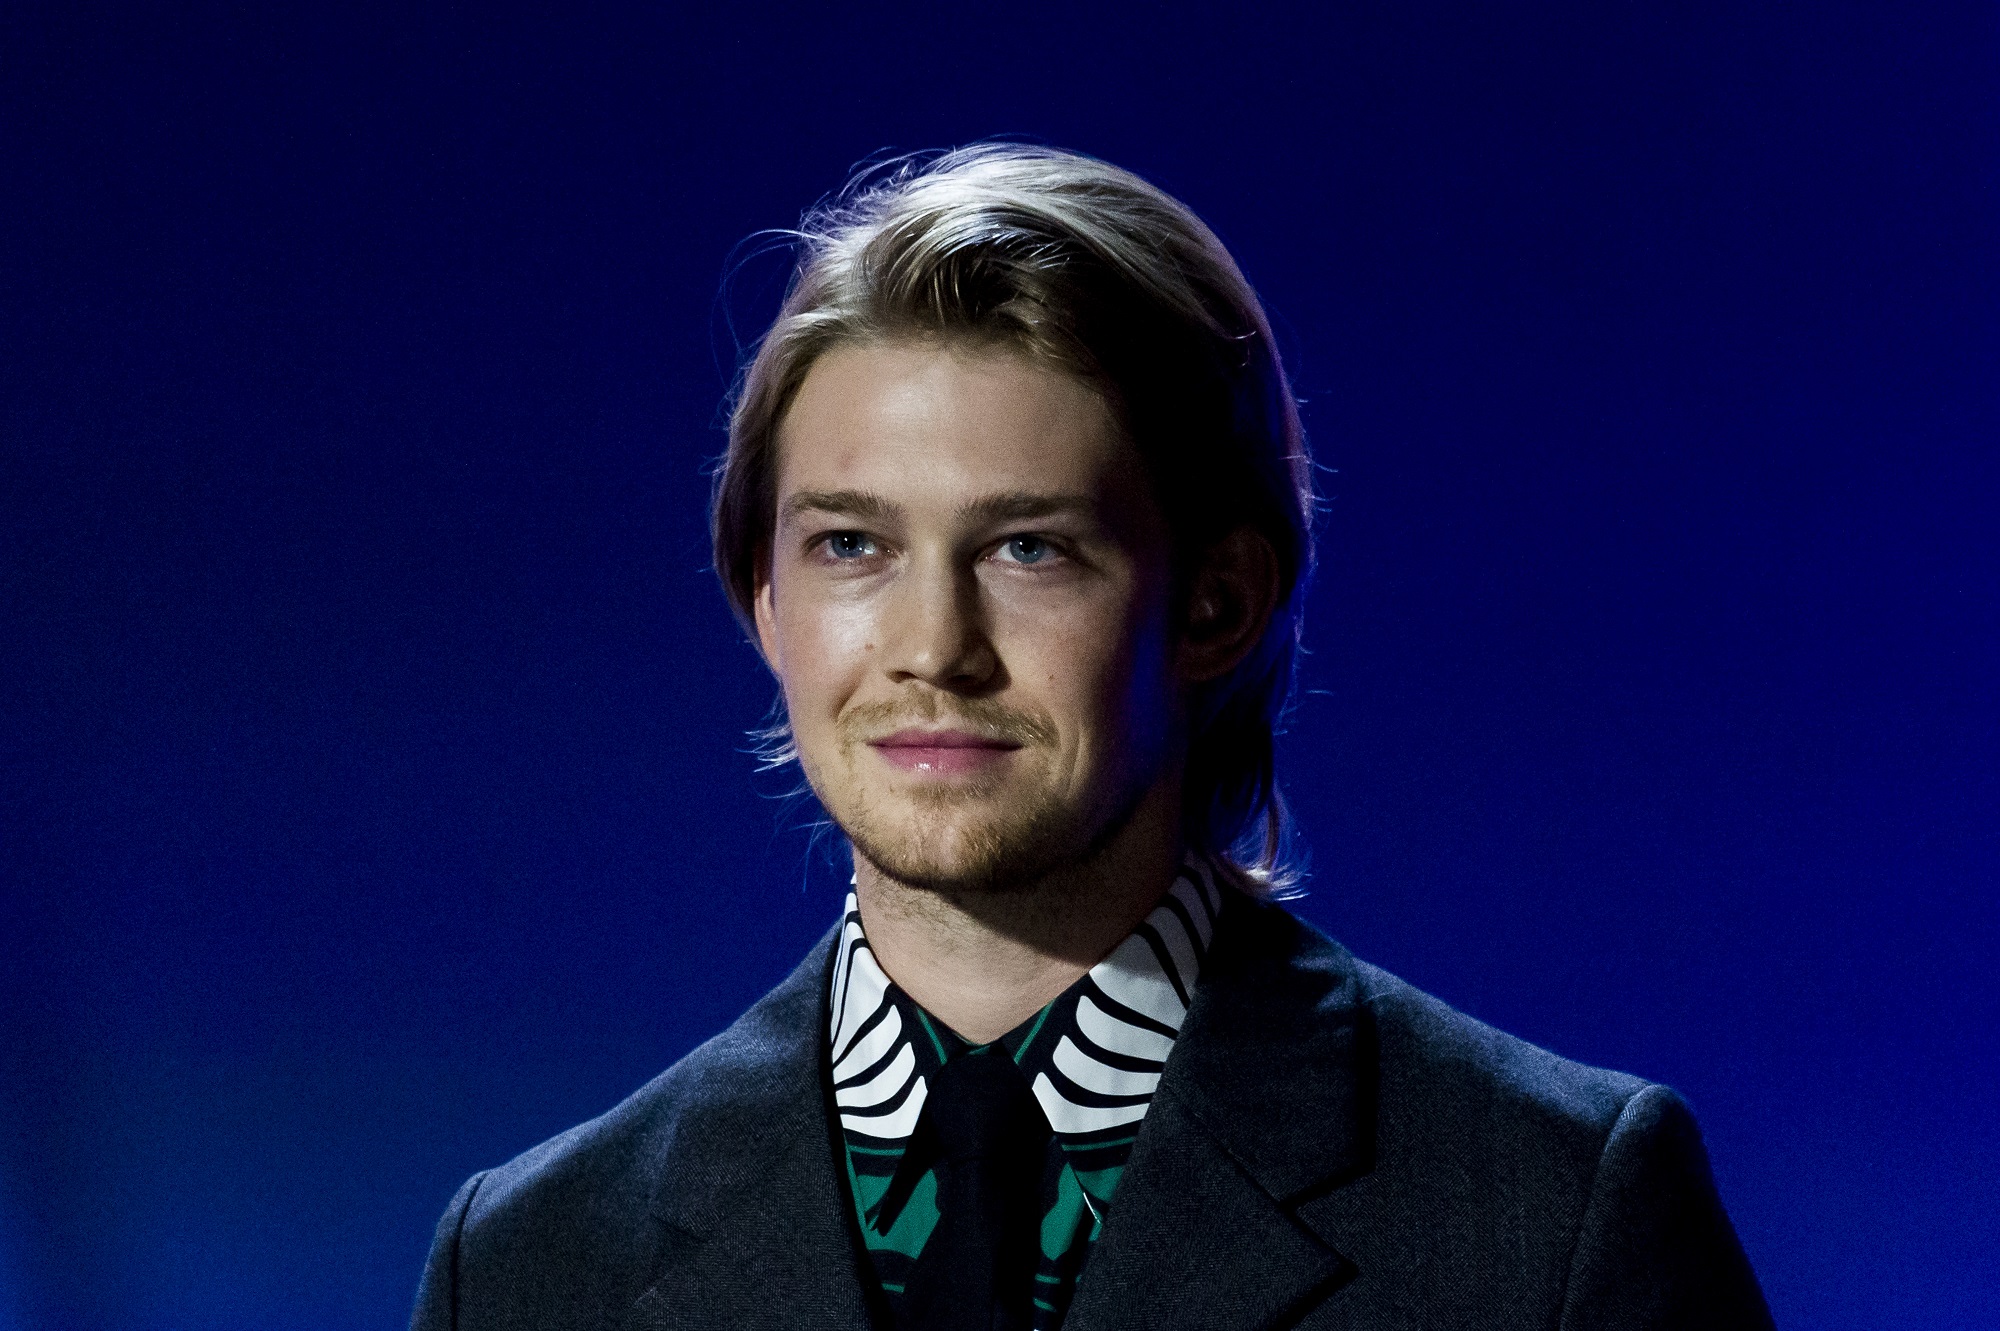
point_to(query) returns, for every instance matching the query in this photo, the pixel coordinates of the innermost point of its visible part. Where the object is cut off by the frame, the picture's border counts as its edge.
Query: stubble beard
(992, 839)
(934, 846)
(971, 841)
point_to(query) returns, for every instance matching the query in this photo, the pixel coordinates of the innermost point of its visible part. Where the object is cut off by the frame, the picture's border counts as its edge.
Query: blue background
(373, 780)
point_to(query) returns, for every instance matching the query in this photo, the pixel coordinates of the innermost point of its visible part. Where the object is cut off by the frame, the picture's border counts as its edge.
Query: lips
(942, 752)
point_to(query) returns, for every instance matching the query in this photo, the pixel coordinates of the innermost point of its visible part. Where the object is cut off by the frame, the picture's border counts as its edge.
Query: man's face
(966, 604)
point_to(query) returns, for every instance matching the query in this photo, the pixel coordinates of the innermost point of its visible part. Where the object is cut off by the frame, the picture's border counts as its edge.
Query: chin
(949, 849)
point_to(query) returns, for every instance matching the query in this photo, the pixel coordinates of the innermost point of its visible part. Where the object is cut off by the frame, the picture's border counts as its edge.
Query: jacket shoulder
(1427, 1065)
(1504, 1185)
(565, 1232)
(1458, 1076)
(1487, 1153)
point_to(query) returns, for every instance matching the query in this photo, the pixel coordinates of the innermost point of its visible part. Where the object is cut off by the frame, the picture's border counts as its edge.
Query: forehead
(922, 422)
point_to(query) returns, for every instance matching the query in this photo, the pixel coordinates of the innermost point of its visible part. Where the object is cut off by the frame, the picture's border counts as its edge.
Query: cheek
(1101, 668)
(825, 646)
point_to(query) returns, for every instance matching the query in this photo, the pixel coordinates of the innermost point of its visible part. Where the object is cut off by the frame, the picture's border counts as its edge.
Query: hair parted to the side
(1094, 270)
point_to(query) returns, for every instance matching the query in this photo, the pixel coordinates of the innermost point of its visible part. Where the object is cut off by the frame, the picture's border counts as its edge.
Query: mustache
(978, 716)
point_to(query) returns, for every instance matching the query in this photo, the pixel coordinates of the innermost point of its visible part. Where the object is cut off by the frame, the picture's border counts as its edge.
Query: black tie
(977, 1269)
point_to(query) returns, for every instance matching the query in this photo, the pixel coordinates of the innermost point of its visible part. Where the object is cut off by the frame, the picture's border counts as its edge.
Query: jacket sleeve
(437, 1295)
(1656, 1250)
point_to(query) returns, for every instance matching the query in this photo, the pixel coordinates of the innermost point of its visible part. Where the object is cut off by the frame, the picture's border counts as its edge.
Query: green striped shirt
(1093, 1058)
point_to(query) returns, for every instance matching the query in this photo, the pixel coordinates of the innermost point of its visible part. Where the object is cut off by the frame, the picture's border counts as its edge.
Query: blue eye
(850, 545)
(1027, 549)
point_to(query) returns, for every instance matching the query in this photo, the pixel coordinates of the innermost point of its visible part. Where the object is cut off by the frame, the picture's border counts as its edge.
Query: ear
(1231, 598)
(765, 617)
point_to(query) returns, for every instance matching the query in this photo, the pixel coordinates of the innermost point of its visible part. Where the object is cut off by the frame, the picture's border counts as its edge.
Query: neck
(983, 962)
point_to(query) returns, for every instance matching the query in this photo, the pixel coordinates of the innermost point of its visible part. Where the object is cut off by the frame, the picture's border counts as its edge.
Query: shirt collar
(1093, 1056)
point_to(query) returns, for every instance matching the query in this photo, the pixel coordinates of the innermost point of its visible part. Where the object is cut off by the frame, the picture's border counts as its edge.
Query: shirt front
(1093, 1058)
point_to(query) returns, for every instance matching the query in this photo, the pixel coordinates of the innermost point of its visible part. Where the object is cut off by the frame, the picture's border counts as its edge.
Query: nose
(935, 630)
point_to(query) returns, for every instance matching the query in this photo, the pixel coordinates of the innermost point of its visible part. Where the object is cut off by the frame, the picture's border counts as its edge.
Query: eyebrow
(841, 503)
(1015, 506)
(1022, 505)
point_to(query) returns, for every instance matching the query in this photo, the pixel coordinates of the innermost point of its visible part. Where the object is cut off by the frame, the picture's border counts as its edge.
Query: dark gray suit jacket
(1328, 1148)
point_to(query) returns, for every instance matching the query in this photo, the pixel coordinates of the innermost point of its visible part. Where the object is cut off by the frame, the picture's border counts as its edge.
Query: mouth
(942, 752)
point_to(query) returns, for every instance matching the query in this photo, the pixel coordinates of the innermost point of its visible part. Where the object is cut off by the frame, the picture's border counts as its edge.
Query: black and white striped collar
(1093, 1056)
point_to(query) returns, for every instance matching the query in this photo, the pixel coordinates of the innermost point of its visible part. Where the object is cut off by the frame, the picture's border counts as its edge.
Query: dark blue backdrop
(375, 799)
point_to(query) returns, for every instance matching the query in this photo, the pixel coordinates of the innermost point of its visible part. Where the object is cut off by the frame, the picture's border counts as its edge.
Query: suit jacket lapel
(757, 1232)
(1264, 1105)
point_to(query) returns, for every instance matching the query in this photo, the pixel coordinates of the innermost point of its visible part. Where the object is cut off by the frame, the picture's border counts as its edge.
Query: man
(1017, 507)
